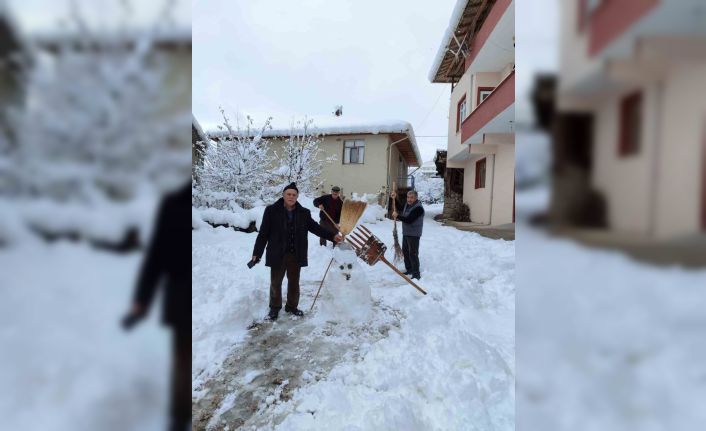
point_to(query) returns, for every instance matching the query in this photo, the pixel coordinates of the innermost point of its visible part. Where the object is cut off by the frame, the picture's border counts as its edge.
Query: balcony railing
(500, 99)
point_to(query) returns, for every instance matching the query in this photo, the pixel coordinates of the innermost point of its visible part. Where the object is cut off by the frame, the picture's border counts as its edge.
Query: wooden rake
(371, 250)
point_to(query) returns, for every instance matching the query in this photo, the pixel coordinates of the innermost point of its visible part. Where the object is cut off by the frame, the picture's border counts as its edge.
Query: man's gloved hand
(132, 317)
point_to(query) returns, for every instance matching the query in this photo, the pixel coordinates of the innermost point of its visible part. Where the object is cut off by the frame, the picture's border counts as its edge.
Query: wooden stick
(365, 229)
(382, 258)
(355, 242)
(320, 285)
(329, 217)
(359, 237)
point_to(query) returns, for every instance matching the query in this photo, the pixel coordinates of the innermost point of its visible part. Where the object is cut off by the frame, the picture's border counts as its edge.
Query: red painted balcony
(499, 100)
(613, 18)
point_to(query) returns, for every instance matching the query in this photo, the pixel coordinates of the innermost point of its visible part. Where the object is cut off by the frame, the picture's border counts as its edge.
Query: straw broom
(396, 247)
(350, 214)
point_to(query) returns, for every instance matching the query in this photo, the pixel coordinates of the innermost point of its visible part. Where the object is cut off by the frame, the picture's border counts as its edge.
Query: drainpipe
(492, 186)
(389, 152)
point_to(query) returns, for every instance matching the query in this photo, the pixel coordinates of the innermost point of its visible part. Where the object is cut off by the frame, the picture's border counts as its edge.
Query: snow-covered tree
(101, 116)
(430, 190)
(303, 159)
(236, 166)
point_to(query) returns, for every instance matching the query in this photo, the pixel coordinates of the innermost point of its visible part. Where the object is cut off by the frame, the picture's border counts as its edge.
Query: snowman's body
(346, 293)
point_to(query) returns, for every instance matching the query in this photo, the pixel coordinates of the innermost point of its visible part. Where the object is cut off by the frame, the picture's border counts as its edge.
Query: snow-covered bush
(236, 167)
(430, 190)
(302, 158)
(100, 130)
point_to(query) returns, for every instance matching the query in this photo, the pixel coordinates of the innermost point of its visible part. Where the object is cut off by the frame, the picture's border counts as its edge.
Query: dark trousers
(180, 391)
(410, 249)
(290, 265)
(326, 224)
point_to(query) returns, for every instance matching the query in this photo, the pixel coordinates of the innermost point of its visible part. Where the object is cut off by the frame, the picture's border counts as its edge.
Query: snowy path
(441, 361)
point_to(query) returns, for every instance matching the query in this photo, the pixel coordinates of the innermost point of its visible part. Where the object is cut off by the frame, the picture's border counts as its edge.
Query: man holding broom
(412, 219)
(329, 205)
(283, 230)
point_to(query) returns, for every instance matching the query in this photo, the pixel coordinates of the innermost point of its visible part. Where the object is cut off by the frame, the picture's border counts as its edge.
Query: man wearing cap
(332, 204)
(283, 230)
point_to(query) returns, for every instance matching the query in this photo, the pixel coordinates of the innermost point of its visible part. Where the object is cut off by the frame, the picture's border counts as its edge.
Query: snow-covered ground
(444, 361)
(605, 342)
(66, 363)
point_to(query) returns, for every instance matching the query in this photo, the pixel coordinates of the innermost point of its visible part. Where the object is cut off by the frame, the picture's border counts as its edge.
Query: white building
(636, 70)
(477, 57)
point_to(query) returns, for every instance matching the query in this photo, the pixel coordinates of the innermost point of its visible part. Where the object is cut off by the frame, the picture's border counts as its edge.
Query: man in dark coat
(412, 219)
(332, 204)
(168, 260)
(284, 229)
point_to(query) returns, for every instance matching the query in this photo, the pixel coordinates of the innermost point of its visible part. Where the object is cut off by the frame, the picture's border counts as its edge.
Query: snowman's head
(345, 260)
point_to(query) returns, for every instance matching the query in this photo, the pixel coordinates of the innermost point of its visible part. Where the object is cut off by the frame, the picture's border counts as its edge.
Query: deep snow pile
(605, 342)
(449, 364)
(67, 364)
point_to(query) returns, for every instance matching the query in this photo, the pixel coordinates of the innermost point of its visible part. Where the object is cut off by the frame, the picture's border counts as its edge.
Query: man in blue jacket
(412, 219)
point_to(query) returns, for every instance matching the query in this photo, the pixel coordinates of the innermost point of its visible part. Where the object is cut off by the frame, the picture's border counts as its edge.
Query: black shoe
(273, 314)
(295, 311)
(416, 276)
(407, 273)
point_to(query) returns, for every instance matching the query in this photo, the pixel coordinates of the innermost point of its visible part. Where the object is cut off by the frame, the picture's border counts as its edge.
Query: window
(460, 112)
(480, 174)
(353, 152)
(483, 93)
(630, 124)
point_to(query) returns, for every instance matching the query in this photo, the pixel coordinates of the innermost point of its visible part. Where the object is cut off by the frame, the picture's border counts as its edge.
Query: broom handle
(320, 285)
(382, 258)
(394, 200)
(329, 217)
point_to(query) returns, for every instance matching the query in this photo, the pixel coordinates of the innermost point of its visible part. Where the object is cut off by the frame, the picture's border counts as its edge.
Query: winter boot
(273, 314)
(416, 276)
(407, 272)
(295, 311)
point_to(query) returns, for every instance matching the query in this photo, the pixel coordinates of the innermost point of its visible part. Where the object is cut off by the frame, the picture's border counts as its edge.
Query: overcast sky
(285, 58)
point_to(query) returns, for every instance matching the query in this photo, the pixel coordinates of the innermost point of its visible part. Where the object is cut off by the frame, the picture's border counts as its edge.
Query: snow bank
(64, 353)
(607, 342)
(450, 363)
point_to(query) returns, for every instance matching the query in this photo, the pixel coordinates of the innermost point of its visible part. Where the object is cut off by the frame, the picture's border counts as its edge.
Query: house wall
(679, 171)
(368, 177)
(500, 176)
(462, 88)
(655, 192)
(624, 180)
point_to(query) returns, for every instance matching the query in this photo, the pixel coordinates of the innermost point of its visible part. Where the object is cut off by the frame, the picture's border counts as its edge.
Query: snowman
(346, 293)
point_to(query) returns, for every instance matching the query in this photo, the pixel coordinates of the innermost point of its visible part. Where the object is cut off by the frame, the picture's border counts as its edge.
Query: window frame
(357, 145)
(480, 180)
(459, 117)
(481, 90)
(630, 134)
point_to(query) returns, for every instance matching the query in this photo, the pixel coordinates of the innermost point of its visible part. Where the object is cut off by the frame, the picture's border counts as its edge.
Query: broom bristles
(350, 214)
(396, 247)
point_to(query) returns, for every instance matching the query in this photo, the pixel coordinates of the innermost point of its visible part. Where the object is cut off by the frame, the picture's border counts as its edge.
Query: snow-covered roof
(199, 131)
(466, 14)
(332, 125)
